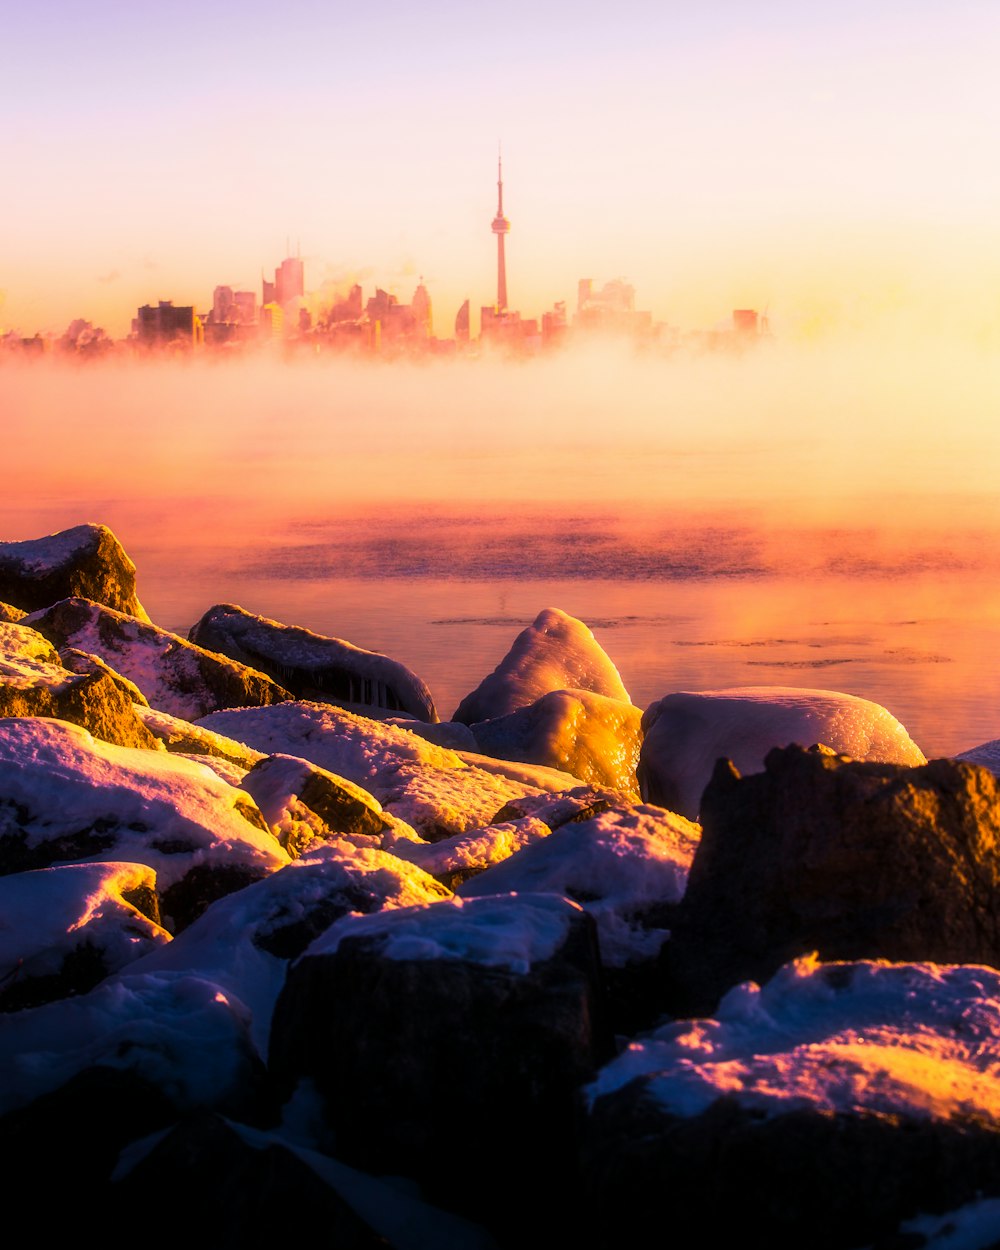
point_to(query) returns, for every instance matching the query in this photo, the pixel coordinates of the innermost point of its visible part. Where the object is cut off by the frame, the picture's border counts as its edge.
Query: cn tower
(501, 226)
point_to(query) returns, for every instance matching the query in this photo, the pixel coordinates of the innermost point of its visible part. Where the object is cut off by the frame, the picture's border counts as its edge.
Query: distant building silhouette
(162, 324)
(501, 228)
(462, 323)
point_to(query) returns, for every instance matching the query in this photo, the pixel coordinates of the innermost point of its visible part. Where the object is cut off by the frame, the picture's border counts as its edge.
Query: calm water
(927, 646)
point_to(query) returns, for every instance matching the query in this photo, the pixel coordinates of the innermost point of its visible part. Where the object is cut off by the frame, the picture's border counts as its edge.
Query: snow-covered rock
(457, 859)
(33, 682)
(87, 560)
(313, 666)
(175, 675)
(84, 662)
(243, 942)
(855, 860)
(592, 737)
(428, 787)
(685, 733)
(462, 1032)
(555, 652)
(823, 1110)
(578, 803)
(65, 796)
(63, 930)
(180, 737)
(987, 754)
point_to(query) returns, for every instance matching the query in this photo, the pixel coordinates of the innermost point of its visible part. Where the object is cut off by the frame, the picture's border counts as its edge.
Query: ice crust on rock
(913, 1040)
(590, 736)
(63, 791)
(176, 676)
(685, 733)
(313, 666)
(555, 652)
(496, 931)
(428, 787)
(86, 560)
(623, 866)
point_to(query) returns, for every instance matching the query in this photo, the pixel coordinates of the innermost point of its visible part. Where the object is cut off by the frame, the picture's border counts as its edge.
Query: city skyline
(830, 165)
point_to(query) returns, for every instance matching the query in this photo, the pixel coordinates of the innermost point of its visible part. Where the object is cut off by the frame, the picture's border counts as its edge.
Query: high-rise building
(501, 228)
(289, 281)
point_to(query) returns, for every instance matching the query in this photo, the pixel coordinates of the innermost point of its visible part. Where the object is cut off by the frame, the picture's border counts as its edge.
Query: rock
(244, 942)
(592, 737)
(854, 860)
(176, 676)
(537, 776)
(428, 787)
(326, 670)
(627, 867)
(10, 614)
(555, 652)
(83, 662)
(180, 737)
(461, 1034)
(579, 803)
(87, 560)
(65, 796)
(301, 801)
(986, 754)
(33, 682)
(821, 1111)
(685, 733)
(65, 929)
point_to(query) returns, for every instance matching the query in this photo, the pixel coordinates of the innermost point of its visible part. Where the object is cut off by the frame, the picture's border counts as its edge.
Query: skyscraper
(501, 227)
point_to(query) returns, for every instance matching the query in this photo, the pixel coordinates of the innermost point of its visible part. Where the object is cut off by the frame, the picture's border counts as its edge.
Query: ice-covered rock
(180, 737)
(555, 652)
(243, 942)
(33, 682)
(855, 860)
(685, 733)
(302, 802)
(823, 1110)
(63, 930)
(428, 787)
(313, 666)
(87, 560)
(175, 675)
(65, 796)
(592, 737)
(462, 1032)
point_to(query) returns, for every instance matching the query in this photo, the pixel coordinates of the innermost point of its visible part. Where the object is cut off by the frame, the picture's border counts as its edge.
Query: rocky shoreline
(279, 946)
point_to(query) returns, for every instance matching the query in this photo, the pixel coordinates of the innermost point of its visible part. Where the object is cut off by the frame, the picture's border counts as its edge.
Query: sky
(834, 166)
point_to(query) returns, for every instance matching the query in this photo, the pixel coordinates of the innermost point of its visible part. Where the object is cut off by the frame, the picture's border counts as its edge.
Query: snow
(474, 851)
(914, 1040)
(429, 787)
(686, 733)
(987, 755)
(618, 864)
(495, 931)
(68, 781)
(39, 556)
(555, 652)
(178, 1031)
(974, 1226)
(538, 776)
(221, 946)
(182, 738)
(21, 643)
(46, 914)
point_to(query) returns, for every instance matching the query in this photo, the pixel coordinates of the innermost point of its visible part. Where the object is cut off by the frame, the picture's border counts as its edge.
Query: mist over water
(814, 515)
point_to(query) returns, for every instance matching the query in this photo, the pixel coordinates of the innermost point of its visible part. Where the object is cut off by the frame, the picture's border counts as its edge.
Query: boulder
(627, 867)
(428, 787)
(555, 652)
(176, 676)
(87, 560)
(854, 860)
(685, 733)
(457, 859)
(576, 804)
(33, 682)
(460, 1036)
(180, 737)
(65, 796)
(312, 666)
(65, 929)
(592, 737)
(824, 1110)
(244, 942)
(11, 614)
(83, 662)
